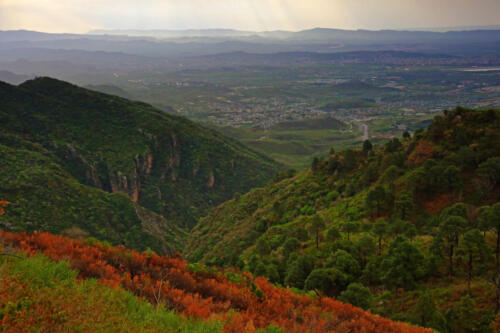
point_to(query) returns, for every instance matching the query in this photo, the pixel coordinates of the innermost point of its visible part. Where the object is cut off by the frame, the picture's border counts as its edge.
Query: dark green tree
(425, 313)
(372, 272)
(450, 230)
(366, 247)
(333, 234)
(273, 274)
(403, 228)
(451, 178)
(300, 233)
(349, 228)
(376, 199)
(346, 263)
(490, 171)
(390, 174)
(317, 225)
(260, 270)
(298, 270)
(463, 316)
(328, 280)
(474, 248)
(404, 205)
(458, 209)
(367, 146)
(393, 145)
(358, 295)
(380, 229)
(253, 261)
(262, 247)
(403, 264)
(290, 245)
(349, 162)
(490, 220)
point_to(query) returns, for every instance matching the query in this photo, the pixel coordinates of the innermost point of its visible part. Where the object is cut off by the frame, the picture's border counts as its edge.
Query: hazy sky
(83, 15)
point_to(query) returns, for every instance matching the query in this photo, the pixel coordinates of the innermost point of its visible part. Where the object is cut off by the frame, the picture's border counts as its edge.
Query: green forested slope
(380, 226)
(85, 163)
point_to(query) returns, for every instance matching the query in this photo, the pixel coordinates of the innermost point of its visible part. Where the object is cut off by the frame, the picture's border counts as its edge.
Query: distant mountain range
(149, 49)
(179, 33)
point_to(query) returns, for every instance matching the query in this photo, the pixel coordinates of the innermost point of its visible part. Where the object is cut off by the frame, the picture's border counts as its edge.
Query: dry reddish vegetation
(205, 293)
(437, 204)
(422, 152)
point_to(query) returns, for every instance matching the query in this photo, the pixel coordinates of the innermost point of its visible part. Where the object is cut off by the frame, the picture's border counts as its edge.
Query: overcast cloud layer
(80, 16)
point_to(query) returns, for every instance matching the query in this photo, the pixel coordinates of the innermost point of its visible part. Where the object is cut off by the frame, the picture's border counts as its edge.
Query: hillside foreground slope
(232, 299)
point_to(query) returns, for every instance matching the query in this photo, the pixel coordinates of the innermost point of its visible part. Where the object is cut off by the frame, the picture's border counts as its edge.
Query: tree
(298, 270)
(402, 266)
(367, 147)
(435, 258)
(290, 245)
(349, 227)
(490, 170)
(450, 230)
(405, 228)
(273, 274)
(458, 209)
(316, 164)
(390, 174)
(328, 280)
(406, 135)
(366, 246)
(451, 178)
(253, 261)
(380, 230)
(358, 295)
(372, 272)
(425, 313)
(462, 317)
(346, 263)
(333, 234)
(375, 199)
(317, 225)
(491, 220)
(262, 247)
(300, 233)
(349, 162)
(404, 205)
(474, 248)
(393, 145)
(260, 270)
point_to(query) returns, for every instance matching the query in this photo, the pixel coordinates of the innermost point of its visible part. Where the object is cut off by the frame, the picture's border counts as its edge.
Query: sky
(80, 16)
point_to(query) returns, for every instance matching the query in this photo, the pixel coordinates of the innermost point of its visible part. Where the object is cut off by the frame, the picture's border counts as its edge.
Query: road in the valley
(364, 128)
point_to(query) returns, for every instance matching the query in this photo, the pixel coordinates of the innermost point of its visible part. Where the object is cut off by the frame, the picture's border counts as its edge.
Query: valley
(220, 180)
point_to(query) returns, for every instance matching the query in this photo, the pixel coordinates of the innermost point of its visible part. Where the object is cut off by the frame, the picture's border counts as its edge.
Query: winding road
(364, 128)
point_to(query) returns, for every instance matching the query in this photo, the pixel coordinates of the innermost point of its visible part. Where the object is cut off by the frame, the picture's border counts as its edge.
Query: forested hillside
(409, 229)
(83, 163)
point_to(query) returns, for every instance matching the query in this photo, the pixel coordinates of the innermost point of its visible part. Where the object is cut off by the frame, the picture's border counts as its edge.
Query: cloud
(83, 15)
